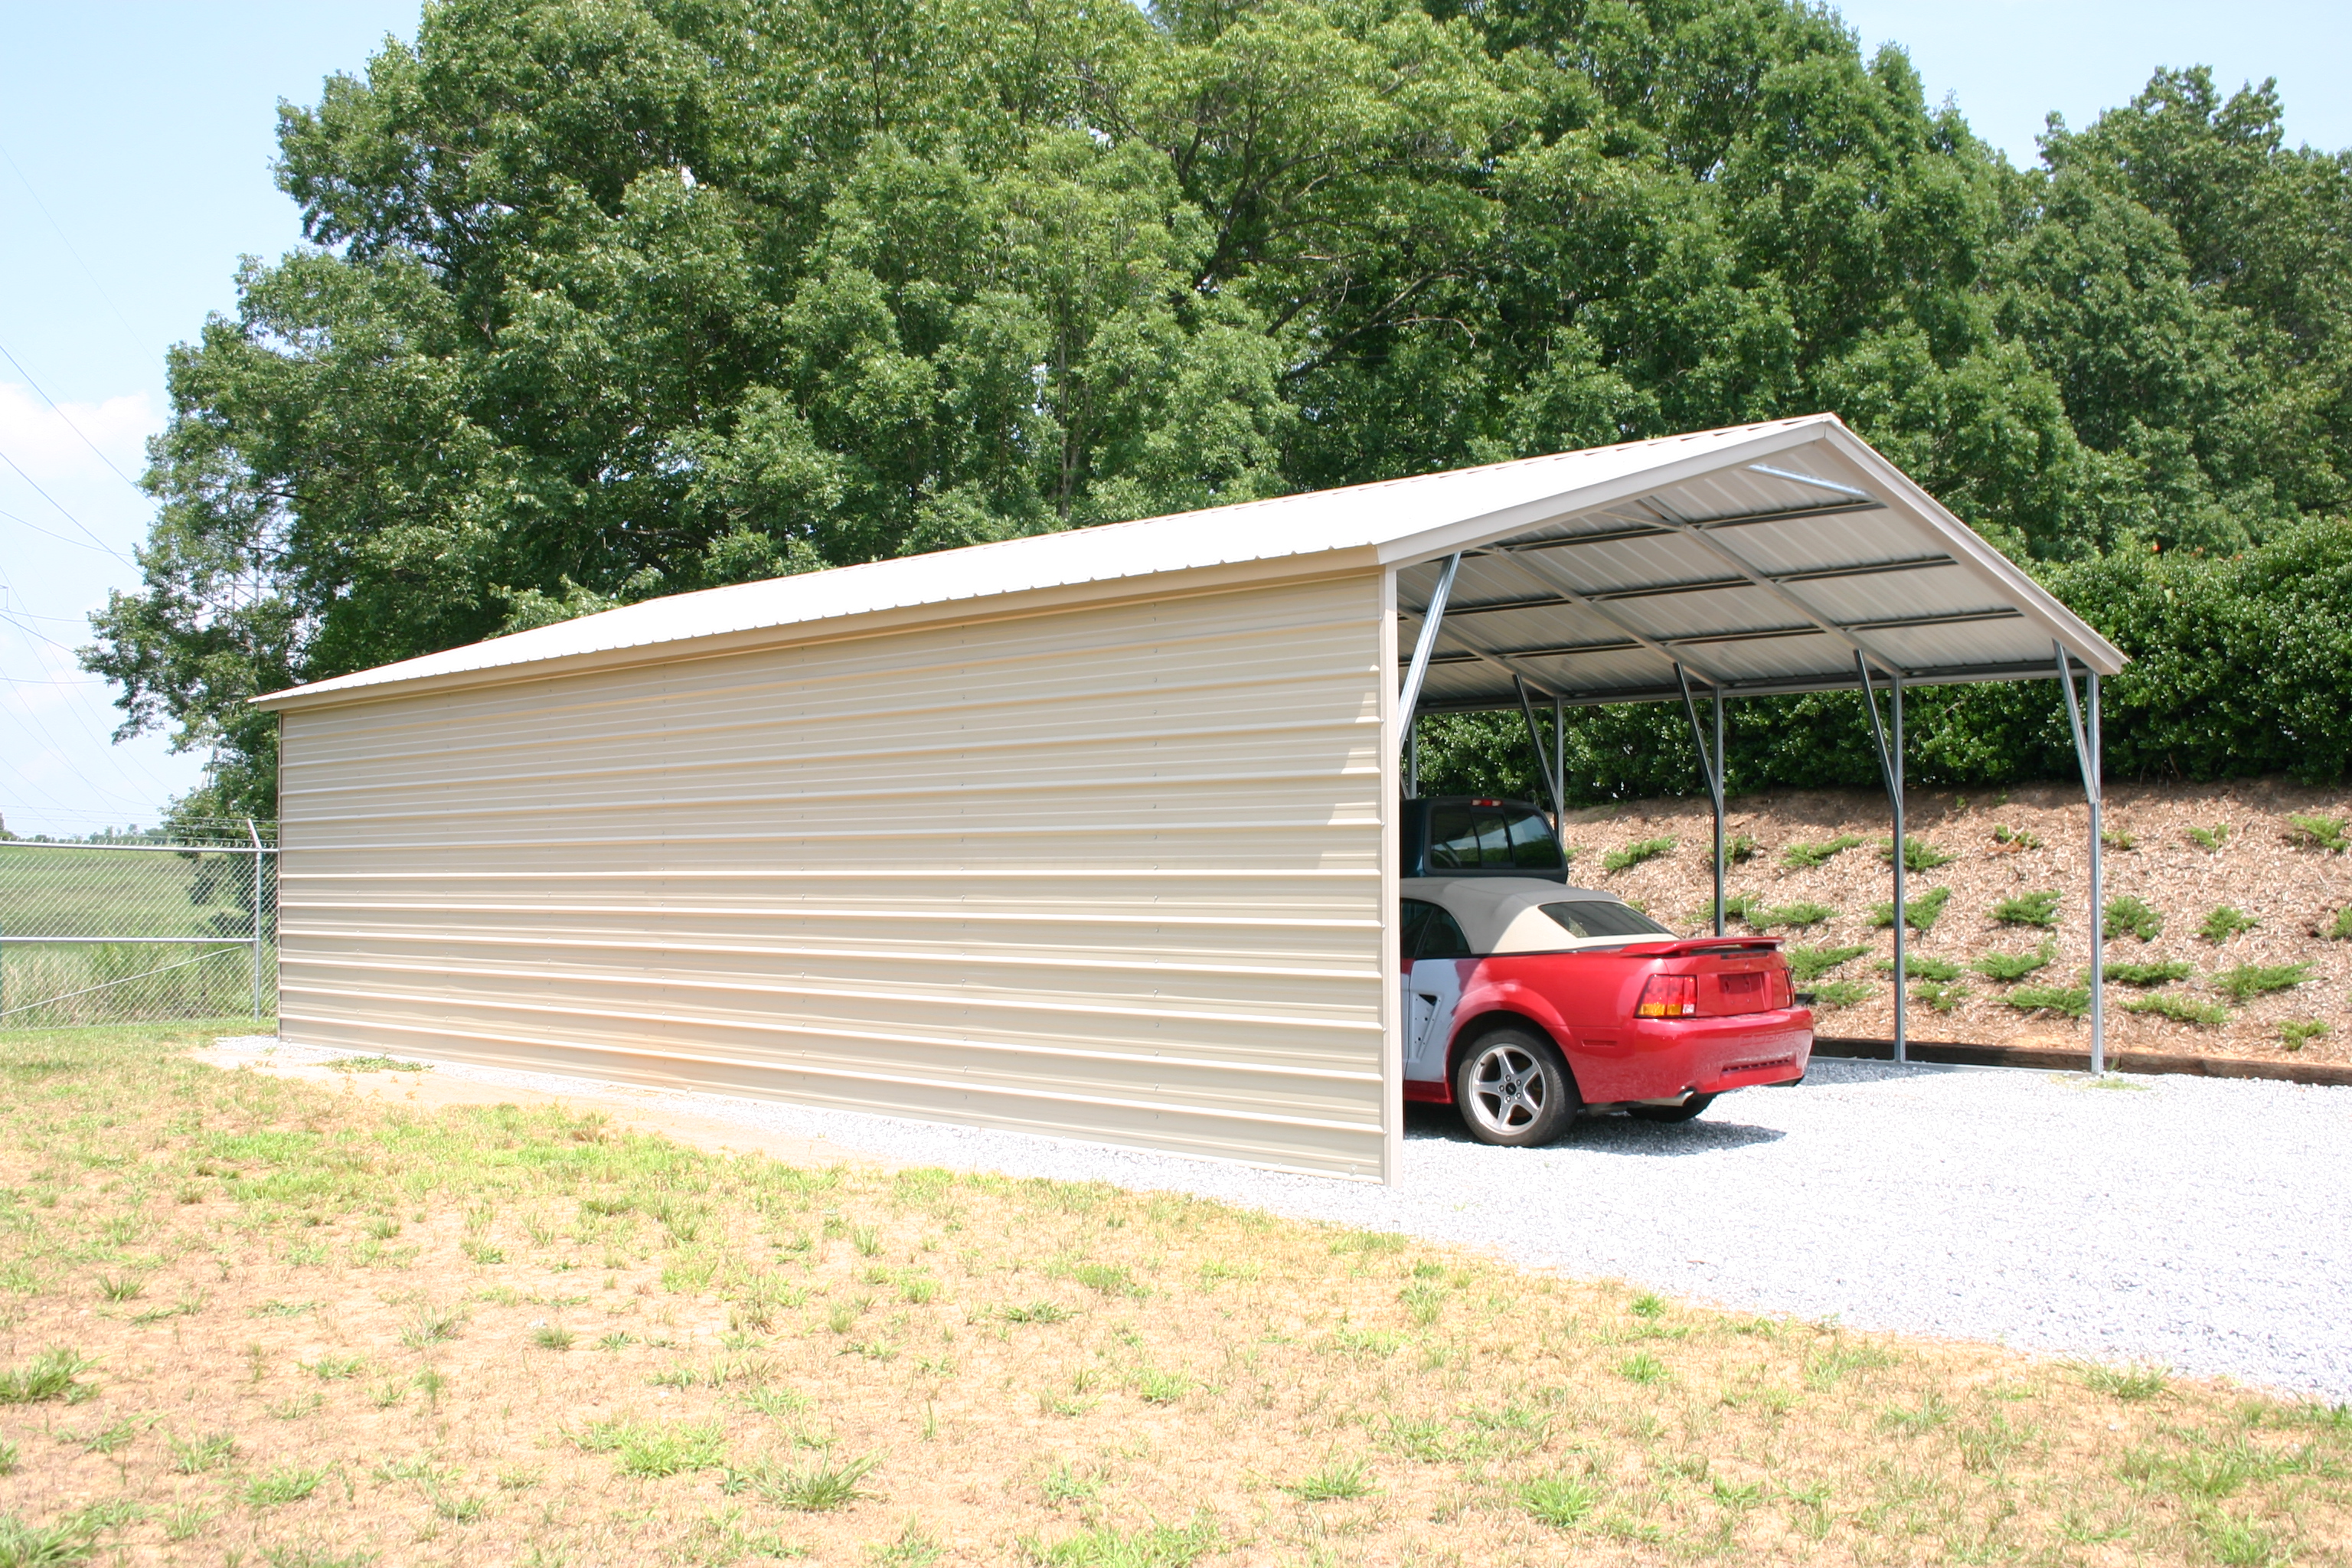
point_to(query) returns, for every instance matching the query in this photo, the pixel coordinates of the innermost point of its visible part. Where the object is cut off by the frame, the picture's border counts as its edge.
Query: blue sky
(137, 141)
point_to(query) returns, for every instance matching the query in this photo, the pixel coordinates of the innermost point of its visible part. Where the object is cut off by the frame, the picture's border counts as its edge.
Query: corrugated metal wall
(1113, 874)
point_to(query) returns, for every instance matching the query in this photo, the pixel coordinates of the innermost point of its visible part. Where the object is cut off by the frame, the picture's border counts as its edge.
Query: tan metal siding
(1111, 874)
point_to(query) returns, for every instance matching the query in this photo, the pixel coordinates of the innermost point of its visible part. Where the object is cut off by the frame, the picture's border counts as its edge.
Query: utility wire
(53, 500)
(62, 413)
(68, 244)
(61, 538)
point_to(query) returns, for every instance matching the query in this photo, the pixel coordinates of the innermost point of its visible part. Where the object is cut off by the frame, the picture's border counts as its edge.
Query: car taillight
(1780, 989)
(1669, 996)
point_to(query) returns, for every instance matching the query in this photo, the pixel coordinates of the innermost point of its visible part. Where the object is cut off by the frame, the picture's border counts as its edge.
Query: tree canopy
(611, 298)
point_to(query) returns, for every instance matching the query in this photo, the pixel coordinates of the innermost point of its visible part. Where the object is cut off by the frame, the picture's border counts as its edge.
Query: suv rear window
(1490, 838)
(1604, 917)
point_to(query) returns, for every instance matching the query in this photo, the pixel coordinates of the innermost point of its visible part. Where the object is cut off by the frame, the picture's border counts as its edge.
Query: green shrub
(1918, 966)
(1941, 995)
(2248, 981)
(1917, 853)
(2028, 909)
(2209, 839)
(1635, 854)
(2294, 1033)
(2224, 923)
(2179, 1009)
(1920, 914)
(2148, 974)
(2071, 1000)
(1740, 849)
(2116, 838)
(2324, 832)
(1807, 964)
(1797, 914)
(2340, 929)
(2011, 967)
(2128, 914)
(1806, 857)
(1840, 994)
(2017, 836)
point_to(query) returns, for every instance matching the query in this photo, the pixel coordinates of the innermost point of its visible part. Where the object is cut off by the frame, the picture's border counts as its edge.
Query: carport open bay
(2200, 1223)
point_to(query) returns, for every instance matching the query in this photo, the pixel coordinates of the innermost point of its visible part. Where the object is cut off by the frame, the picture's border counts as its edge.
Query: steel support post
(1711, 769)
(1890, 771)
(1412, 759)
(253, 834)
(1558, 759)
(2087, 753)
(1433, 617)
(1535, 738)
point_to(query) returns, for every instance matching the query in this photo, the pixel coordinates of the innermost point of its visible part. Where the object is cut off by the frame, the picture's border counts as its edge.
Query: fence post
(254, 834)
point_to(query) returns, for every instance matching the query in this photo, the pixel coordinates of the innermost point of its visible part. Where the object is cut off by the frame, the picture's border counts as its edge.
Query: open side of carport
(1808, 563)
(1093, 834)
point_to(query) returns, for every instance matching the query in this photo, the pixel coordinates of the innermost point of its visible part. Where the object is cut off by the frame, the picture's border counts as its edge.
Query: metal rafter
(1748, 570)
(1741, 519)
(1553, 578)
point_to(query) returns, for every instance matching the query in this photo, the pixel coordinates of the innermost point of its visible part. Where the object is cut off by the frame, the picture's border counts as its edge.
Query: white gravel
(2203, 1224)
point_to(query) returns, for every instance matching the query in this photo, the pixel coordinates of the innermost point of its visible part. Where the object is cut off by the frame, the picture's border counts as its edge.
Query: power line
(59, 230)
(62, 413)
(53, 500)
(61, 538)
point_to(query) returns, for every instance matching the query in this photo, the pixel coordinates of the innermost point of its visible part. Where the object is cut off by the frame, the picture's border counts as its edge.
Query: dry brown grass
(2264, 868)
(323, 1329)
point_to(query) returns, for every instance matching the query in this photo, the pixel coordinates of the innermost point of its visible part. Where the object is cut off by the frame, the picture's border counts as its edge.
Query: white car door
(1432, 987)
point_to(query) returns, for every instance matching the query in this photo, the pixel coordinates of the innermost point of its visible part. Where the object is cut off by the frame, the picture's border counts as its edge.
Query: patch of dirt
(2262, 867)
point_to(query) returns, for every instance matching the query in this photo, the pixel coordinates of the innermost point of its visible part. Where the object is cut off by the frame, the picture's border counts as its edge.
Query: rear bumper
(1658, 1058)
(1710, 1056)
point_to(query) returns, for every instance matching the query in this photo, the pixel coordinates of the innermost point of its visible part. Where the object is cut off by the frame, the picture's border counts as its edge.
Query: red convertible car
(1528, 1001)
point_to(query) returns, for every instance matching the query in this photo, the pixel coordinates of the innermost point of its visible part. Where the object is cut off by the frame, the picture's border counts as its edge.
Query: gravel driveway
(2205, 1225)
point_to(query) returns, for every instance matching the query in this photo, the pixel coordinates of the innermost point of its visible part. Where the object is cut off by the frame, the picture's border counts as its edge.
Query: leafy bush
(2224, 923)
(1917, 853)
(2209, 840)
(1806, 857)
(2117, 839)
(2148, 974)
(2027, 910)
(2179, 1009)
(2248, 981)
(2015, 838)
(1840, 993)
(2011, 967)
(1941, 995)
(1920, 914)
(1797, 914)
(2071, 1000)
(2323, 832)
(2340, 929)
(2294, 1034)
(1918, 966)
(1635, 854)
(1741, 849)
(2127, 913)
(1807, 964)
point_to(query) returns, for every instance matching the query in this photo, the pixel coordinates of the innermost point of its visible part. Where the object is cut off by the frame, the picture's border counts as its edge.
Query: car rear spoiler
(1705, 946)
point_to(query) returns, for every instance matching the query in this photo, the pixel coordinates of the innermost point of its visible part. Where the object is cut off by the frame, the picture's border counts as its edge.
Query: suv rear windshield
(1604, 917)
(1490, 838)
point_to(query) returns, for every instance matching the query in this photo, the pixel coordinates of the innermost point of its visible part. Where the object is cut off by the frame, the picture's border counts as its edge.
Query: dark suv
(1457, 835)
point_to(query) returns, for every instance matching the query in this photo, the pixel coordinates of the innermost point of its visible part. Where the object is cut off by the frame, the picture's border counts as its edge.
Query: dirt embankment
(2257, 864)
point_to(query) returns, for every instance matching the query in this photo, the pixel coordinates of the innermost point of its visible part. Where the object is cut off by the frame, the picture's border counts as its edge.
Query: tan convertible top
(1505, 914)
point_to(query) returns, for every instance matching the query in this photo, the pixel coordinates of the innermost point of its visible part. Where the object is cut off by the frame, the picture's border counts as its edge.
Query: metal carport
(1091, 834)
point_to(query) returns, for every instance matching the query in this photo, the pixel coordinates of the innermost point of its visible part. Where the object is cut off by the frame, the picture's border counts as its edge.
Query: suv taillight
(1669, 996)
(1778, 986)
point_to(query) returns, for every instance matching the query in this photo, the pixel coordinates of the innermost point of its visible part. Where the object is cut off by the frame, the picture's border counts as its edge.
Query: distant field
(54, 891)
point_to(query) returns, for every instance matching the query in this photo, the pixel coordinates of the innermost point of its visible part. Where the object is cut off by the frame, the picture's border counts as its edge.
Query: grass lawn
(250, 1320)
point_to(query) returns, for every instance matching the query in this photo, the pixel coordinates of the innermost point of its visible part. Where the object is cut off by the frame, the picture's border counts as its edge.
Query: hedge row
(2239, 667)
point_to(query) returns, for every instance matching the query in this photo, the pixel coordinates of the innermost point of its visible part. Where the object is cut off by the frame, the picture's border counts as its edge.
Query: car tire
(1512, 1089)
(1683, 1112)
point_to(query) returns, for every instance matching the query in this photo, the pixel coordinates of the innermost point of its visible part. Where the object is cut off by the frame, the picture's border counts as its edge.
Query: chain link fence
(121, 931)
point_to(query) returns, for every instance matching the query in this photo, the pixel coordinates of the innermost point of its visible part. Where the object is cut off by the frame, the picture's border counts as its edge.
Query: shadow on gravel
(1607, 1135)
